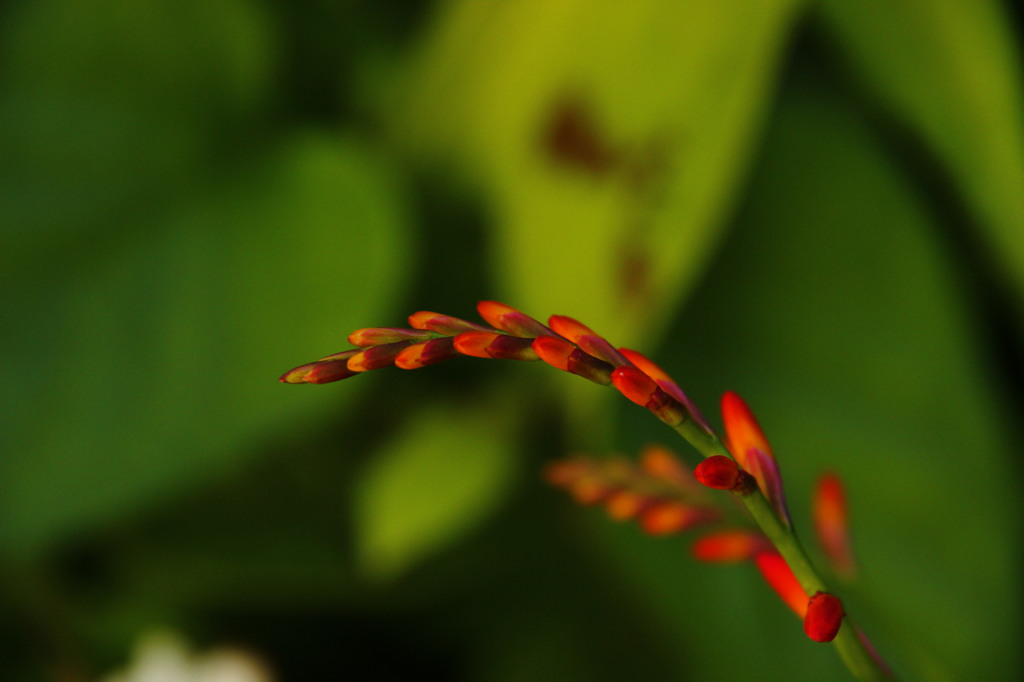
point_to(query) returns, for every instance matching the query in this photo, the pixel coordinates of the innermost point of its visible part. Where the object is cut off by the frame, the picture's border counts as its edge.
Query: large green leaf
(951, 70)
(137, 369)
(835, 311)
(608, 136)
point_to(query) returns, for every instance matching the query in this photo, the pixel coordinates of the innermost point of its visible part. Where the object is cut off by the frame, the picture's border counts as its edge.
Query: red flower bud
(428, 353)
(554, 351)
(584, 337)
(377, 357)
(824, 617)
(634, 384)
(507, 347)
(667, 384)
(325, 370)
(718, 472)
(495, 345)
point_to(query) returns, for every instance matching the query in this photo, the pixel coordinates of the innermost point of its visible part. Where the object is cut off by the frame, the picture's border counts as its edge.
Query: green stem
(858, 660)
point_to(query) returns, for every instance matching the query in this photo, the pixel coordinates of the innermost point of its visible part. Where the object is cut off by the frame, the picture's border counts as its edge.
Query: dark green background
(817, 204)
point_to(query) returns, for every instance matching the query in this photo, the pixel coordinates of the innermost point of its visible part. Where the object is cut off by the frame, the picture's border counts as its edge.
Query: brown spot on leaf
(571, 138)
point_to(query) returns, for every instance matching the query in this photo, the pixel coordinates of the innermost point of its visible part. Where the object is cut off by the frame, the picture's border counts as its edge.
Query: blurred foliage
(818, 204)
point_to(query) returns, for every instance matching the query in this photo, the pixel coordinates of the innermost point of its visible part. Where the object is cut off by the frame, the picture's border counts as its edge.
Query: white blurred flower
(165, 657)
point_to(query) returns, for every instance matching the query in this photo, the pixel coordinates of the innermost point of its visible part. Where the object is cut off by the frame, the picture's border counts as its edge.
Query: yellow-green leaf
(608, 136)
(440, 476)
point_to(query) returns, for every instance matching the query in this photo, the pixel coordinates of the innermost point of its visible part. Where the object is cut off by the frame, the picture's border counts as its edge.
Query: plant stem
(851, 649)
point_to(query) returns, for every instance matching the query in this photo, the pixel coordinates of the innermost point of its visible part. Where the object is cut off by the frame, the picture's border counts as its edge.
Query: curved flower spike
(831, 526)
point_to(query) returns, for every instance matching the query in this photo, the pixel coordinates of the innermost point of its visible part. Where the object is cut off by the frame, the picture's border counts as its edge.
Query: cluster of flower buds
(563, 343)
(659, 492)
(752, 463)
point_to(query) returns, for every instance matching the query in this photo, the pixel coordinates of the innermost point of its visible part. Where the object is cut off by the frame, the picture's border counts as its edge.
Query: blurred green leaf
(951, 70)
(108, 108)
(153, 365)
(835, 311)
(608, 136)
(443, 473)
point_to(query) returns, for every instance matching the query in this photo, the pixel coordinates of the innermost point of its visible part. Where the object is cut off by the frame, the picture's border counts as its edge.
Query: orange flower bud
(667, 384)
(779, 576)
(741, 429)
(474, 344)
(326, 372)
(831, 526)
(562, 355)
(584, 337)
(665, 518)
(659, 462)
(634, 384)
(562, 472)
(730, 546)
(590, 489)
(554, 351)
(375, 336)
(442, 324)
(625, 504)
(508, 319)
